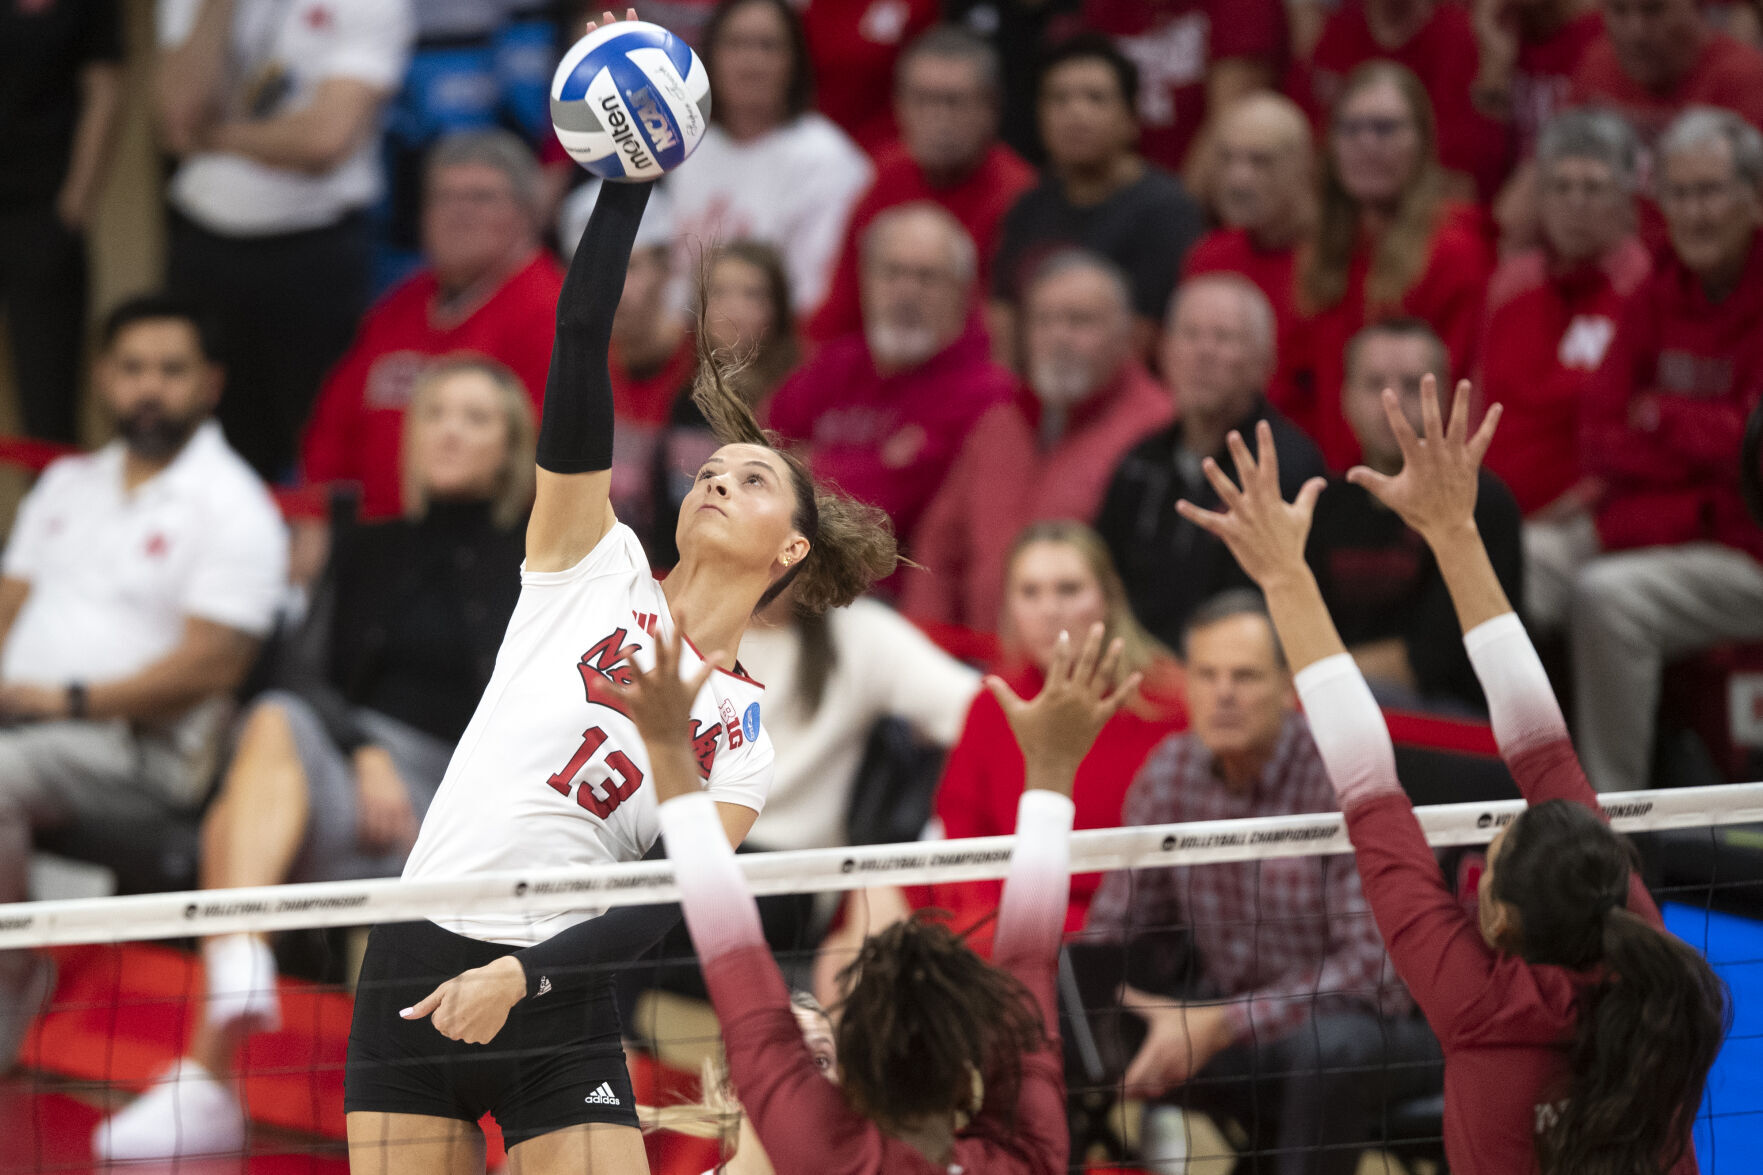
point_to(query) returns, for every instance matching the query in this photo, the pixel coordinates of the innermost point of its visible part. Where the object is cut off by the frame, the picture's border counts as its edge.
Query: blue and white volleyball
(630, 101)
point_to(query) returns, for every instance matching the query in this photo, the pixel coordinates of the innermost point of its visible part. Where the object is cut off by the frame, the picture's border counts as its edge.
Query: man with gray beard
(885, 410)
(1046, 454)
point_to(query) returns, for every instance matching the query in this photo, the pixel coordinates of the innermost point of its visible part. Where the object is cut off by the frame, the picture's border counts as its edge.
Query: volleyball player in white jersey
(551, 772)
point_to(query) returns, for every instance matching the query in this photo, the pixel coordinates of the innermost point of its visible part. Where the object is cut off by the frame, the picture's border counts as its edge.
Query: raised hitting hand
(1435, 492)
(1264, 531)
(1057, 727)
(607, 18)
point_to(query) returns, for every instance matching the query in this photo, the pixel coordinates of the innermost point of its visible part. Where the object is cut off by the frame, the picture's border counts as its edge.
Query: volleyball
(630, 101)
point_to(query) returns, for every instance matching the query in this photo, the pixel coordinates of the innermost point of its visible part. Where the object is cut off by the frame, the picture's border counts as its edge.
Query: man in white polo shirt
(134, 591)
(273, 109)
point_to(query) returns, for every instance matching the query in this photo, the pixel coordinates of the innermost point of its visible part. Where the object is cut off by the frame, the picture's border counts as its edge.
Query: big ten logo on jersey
(732, 724)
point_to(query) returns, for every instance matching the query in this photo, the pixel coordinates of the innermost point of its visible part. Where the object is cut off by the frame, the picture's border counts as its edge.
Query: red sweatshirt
(1665, 415)
(358, 423)
(1505, 1026)
(1542, 78)
(803, 1121)
(1004, 480)
(854, 45)
(979, 202)
(1445, 57)
(985, 772)
(1547, 332)
(1728, 74)
(1448, 294)
(1232, 250)
(889, 439)
(1175, 44)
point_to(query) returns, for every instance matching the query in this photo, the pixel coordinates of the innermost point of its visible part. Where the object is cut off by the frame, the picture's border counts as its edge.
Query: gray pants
(1631, 613)
(53, 774)
(1554, 552)
(1312, 1101)
(331, 849)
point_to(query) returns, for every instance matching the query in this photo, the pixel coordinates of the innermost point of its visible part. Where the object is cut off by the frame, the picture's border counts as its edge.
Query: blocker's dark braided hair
(924, 1016)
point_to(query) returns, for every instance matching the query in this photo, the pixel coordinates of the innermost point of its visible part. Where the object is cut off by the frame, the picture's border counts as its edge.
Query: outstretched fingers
(1406, 438)
(1084, 674)
(1484, 436)
(1430, 419)
(1267, 457)
(1213, 522)
(1222, 485)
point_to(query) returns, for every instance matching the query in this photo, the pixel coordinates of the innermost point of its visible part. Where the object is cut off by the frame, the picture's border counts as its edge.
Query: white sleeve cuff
(720, 912)
(1348, 728)
(1521, 703)
(1044, 812)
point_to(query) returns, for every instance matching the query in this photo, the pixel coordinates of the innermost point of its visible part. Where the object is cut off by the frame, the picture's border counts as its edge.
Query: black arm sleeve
(582, 954)
(575, 435)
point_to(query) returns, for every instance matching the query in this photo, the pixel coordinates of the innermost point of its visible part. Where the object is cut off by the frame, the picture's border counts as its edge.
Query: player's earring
(788, 560)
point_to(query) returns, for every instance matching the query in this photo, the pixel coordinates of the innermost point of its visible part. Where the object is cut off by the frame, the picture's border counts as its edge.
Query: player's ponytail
(1647, 1032)
(850, 544)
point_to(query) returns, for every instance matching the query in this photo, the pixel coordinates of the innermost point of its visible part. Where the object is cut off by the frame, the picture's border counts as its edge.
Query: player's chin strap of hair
(575, 435)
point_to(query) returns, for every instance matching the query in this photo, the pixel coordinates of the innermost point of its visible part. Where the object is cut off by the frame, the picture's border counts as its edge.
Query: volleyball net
(1335, 1066)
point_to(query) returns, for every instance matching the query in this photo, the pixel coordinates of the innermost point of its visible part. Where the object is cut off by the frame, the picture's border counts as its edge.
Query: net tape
(354, 903)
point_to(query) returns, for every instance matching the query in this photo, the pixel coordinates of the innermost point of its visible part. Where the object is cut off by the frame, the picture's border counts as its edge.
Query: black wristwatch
(76, 699)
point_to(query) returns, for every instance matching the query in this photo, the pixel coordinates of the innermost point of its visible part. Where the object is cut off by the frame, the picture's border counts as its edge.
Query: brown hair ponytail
(1647, 1032)
(850, 544)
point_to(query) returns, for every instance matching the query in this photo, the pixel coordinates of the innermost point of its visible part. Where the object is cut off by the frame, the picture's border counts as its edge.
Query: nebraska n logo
(607, 661)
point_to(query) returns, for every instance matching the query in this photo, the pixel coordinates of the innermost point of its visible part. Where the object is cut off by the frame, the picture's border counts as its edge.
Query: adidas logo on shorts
(602, 1096)
(544, 986)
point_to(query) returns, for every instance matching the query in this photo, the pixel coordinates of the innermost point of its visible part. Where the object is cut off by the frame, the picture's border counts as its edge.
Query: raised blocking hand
(1264, 531)
(1435, 492)
(1056, 729)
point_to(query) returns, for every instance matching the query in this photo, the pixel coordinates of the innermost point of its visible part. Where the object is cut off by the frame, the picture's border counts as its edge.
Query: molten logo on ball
(630, 101)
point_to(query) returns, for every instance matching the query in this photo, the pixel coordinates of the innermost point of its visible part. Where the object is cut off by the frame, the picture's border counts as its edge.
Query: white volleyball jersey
(550, 772)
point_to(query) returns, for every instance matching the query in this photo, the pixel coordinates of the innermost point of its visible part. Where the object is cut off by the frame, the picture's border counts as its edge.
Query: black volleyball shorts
(558, 1061)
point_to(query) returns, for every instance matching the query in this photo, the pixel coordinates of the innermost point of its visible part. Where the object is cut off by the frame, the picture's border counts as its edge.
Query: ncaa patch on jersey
(750, 722)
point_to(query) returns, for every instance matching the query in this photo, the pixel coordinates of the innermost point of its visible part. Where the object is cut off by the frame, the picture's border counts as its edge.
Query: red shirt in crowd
(1504, 1025)
(1727, 74)
(1445, 57)
(889, 439)
(1448, 295)
(1175, 43)
(1547, 332)
(1542, 77)
(642, 408)
(358, 423)
(983, 778)
(854, 45)
(1665, 415)
(979, 202)
(1005, 479)
(1233, 250)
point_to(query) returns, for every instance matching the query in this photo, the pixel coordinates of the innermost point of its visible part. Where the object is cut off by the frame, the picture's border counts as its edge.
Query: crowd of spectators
(1010, 271)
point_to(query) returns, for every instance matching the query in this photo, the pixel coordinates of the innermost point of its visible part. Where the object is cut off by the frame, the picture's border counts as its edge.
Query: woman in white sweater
(770, 168)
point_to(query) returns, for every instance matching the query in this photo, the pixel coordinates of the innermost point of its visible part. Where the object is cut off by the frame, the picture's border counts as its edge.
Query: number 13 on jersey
(622, 778)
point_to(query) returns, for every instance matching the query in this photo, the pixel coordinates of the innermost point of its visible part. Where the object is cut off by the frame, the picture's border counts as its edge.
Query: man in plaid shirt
(1293, 1022)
